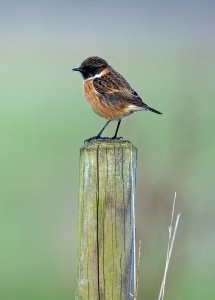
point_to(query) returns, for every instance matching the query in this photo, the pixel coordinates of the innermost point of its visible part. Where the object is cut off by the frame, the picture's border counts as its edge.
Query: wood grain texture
(106, 221)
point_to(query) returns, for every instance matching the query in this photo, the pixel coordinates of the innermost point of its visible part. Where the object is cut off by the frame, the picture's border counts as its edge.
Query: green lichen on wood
(106, 220)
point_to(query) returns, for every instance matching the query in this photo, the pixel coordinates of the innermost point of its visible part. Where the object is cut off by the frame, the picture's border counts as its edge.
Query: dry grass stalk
(172, 234)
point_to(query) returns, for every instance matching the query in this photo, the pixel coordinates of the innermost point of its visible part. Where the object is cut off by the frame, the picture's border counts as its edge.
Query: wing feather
(117, 90)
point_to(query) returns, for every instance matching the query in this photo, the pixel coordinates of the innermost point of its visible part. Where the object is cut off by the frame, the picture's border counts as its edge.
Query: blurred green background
(166, 51)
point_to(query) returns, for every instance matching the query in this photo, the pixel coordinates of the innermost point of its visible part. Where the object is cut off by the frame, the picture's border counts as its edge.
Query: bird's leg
(100, 132)
(117, 128)
(103, 128)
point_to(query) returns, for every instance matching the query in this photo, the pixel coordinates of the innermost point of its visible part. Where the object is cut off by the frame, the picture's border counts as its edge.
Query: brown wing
(117, 89)
(125, 98)
(111, 81)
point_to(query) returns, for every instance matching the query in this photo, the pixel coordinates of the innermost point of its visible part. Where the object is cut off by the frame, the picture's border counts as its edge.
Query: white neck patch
(95, 76)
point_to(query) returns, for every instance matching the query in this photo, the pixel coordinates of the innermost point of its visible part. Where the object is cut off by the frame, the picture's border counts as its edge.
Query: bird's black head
(91, 66)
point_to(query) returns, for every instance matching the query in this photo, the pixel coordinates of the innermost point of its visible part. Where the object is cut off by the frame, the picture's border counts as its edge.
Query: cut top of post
(108, 143)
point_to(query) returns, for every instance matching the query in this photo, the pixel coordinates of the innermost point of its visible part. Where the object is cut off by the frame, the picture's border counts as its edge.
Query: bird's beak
(77, 69)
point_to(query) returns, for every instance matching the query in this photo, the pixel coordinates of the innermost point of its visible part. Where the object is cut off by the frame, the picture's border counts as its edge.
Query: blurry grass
(44, 120)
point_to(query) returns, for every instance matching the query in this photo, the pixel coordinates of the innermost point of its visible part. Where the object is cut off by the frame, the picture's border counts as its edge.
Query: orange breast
(101, 105)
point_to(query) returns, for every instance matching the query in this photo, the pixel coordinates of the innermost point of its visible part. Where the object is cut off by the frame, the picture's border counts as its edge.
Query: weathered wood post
(106, 221)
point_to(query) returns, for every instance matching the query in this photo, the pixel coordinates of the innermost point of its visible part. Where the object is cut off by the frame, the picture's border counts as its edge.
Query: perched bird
(108, 93)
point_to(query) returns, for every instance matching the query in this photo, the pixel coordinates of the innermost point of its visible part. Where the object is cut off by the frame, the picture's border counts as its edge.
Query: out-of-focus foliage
(166, 52)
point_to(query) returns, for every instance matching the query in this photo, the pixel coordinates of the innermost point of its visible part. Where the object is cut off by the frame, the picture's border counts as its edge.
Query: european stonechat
(108, 93)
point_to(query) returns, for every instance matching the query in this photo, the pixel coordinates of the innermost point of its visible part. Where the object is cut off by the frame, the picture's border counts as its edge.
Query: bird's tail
(154, 110)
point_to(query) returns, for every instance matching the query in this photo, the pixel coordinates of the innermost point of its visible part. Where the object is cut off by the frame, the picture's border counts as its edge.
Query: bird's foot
(96, 137)
(116, 138)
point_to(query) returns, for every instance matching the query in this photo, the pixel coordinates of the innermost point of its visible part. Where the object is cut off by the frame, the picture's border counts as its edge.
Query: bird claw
(96, 137)
(116, 138)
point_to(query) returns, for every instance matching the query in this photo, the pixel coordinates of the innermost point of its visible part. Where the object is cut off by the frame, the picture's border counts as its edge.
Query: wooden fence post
(106, 221)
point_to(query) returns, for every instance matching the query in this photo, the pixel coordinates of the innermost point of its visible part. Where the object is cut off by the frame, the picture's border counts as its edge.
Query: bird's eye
(91, 68)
